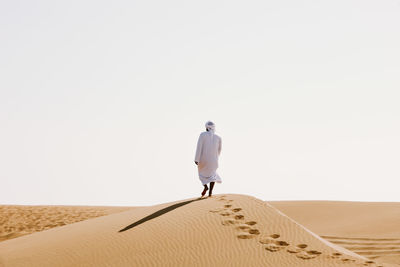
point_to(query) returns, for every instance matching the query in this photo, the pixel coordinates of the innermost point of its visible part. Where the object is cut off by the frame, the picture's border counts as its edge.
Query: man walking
(206, 159)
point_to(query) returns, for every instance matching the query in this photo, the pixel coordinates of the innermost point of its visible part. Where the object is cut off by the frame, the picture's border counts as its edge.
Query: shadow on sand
(159, 213)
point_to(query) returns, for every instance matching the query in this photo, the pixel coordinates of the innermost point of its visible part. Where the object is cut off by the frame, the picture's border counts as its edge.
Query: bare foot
(204, 191)
(211, 188)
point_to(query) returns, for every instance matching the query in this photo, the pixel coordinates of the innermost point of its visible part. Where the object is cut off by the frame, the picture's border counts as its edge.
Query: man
(206, 159)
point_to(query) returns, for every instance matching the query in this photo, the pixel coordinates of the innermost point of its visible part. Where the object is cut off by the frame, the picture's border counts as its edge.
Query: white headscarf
(210, 126)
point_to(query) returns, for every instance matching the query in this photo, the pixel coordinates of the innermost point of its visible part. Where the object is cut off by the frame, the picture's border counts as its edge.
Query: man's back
(207, 152)
(211, 144)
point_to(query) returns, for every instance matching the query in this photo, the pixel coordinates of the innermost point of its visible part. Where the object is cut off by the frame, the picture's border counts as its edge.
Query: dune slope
(370, 229)
(19, 220)
(229, 230)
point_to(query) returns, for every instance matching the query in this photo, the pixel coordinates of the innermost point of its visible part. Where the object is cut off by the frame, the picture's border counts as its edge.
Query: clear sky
(102, 102)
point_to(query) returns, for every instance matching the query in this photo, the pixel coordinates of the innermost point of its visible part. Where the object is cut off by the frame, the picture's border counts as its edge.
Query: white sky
(102, 102)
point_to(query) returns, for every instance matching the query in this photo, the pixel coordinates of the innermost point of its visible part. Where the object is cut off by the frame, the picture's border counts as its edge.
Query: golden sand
(370, 229)
(225, 230)
(18, 220)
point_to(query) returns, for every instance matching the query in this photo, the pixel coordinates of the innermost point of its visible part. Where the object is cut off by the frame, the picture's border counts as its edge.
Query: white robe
(207, 153)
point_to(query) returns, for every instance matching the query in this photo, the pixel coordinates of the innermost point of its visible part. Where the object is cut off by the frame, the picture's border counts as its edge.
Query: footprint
(307, 255)
(271, 239)
(282, 243)
(239, 217)
(254, 231)
(226, 213)
(275, 236)
(250, 233)
(236, 209)
(292, 249)
(216, 210)
(272, 244)
(228, 206)
(245, 236)
(243, 227)
(296, 249)
(349, 260)
(265, 241)
(336, 255)
(273, 247)
(251, 223)
(314, 252)
(304, 255)
(229, 222)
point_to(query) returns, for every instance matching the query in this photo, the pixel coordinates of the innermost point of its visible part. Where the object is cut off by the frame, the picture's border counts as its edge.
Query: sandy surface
(229, 230)
(18, 220)
(370, 229)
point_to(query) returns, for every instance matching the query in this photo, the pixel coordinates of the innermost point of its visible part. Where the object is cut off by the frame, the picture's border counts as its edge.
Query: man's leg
(211, 188)
(204, 190)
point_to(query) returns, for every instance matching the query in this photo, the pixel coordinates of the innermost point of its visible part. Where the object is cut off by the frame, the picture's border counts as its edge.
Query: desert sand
(371, 229)
(19, 220)
(224, 230)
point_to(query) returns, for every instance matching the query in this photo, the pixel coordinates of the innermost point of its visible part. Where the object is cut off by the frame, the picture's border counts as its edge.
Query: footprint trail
(272, 242)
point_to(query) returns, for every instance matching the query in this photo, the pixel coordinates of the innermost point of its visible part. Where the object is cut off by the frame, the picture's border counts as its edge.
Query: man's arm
(220, 146)
(198, 150)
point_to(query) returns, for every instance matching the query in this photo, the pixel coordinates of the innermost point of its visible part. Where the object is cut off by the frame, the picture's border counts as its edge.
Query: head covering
(210, 126)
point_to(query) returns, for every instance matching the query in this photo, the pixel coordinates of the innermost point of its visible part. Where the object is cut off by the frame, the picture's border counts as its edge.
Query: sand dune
(18, 220)
(230, 230)
(366, 228)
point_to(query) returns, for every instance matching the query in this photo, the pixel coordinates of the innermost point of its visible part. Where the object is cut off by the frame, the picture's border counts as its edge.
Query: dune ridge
(370, 229)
